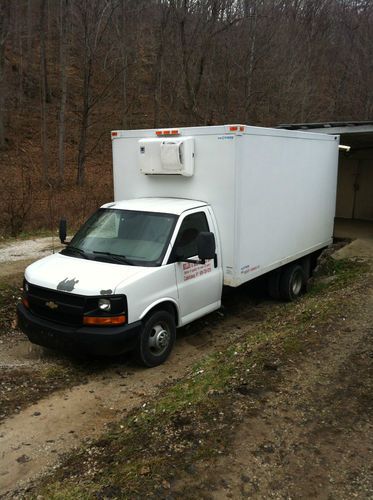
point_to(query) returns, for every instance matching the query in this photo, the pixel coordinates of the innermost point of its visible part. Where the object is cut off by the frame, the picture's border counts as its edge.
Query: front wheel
(157, 339)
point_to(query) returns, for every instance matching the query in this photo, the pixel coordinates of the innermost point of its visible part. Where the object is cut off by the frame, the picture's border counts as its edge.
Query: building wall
(355, 171)
(364, 198)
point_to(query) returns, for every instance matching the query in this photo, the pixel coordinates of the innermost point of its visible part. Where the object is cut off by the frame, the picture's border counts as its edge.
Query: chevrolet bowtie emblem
(51, 305)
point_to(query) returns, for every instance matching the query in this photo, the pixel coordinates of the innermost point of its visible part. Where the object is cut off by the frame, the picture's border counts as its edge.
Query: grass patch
(37, 233)
(27, 235)
(333, 274)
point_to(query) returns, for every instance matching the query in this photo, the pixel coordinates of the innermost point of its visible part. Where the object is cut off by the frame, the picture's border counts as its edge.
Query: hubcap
(297, 284)
(159, 339)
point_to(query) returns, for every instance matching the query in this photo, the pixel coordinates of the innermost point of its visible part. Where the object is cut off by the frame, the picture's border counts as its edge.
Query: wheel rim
(159, 339)
(297, 283)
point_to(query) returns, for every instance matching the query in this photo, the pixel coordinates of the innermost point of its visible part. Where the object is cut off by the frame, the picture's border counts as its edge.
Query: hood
(81, 276)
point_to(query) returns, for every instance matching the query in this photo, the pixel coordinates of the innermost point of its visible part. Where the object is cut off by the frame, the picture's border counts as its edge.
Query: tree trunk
(43, 93)
(250, 58)
(2, 94)
(21, 63)
(159, 63)
(43, 50)
(84, 123)
(64, 12)
(123, 50)
(4, 30)
(29, 28)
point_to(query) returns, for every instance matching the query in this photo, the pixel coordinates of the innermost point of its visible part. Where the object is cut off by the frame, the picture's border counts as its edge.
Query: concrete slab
(359, 248)
(352, 229)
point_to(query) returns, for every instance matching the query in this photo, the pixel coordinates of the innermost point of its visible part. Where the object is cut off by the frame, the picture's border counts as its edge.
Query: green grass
(343, 271)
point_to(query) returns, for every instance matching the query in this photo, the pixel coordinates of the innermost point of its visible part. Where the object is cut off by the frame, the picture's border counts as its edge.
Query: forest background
(73, 70)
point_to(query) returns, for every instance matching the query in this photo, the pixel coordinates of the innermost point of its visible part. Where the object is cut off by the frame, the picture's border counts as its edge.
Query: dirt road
(31, 441)
(37, 429)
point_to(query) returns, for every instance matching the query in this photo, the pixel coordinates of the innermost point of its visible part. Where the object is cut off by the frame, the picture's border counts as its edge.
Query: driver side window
(192, 225)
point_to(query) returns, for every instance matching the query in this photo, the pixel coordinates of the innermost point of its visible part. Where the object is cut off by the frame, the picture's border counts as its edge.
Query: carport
(354, 210)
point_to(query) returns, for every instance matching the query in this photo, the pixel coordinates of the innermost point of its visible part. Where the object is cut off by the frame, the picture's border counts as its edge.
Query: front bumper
(106, 341)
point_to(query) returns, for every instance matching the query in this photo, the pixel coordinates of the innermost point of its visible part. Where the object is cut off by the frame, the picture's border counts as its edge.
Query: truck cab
(133, 273)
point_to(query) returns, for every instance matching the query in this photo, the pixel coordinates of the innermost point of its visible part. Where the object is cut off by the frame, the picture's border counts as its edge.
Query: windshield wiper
(77, 250)
(115, 257)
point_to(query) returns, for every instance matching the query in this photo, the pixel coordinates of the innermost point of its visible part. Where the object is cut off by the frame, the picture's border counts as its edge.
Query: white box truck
(195, 209)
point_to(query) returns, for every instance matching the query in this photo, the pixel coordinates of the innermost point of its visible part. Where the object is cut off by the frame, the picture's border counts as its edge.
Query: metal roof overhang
(358, 135)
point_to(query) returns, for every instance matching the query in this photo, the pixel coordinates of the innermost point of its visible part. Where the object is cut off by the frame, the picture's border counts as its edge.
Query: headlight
(104, 304)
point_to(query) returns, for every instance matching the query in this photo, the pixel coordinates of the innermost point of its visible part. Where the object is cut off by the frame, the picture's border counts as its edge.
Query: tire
(156, 340)
(292, 282)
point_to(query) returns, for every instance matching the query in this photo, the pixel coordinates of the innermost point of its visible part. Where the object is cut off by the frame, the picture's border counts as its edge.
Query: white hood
(81, 276)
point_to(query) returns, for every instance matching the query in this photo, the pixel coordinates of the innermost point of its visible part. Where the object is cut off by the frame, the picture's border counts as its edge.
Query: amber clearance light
(104, 321)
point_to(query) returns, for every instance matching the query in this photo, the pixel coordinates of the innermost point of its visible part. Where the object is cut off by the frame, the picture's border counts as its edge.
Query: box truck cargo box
(272, 191)
(195, 208)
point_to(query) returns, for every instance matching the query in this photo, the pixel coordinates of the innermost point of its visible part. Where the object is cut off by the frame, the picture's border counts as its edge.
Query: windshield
(124, 236)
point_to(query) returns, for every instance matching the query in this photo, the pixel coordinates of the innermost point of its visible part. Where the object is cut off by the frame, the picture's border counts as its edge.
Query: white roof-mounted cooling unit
(167, 156)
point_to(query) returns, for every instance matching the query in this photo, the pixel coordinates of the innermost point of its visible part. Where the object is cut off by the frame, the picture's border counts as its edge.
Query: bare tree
(163, 12)
(121, 27)
(64, 44)
(199, 24)
(93, 18)
(29, 27)
(4, 30)
(44, 94)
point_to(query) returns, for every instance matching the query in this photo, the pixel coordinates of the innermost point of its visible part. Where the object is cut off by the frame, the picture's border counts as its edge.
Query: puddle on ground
(26, 350)
(24, 353)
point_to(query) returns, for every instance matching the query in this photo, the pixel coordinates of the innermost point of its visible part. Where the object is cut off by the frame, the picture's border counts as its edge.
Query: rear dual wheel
(287, 283)
(292, 282)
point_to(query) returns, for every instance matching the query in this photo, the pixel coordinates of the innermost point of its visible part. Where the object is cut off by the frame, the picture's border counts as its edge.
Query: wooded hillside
(72, 70)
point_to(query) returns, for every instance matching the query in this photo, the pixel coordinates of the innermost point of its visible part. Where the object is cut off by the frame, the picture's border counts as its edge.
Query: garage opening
(354, 208)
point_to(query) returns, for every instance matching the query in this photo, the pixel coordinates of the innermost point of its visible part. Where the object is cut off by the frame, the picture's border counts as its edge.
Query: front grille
(64, 308)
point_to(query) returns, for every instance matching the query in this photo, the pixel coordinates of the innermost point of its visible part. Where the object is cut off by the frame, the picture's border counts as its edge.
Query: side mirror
(63, 230)
(206, 246)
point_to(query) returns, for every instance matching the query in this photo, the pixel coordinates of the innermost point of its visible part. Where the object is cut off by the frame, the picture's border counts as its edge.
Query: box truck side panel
(213, 179)
(285, 203)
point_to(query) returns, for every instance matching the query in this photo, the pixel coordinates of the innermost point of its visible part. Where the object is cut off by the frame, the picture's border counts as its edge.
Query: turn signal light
(25, 302)
(104, 320)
